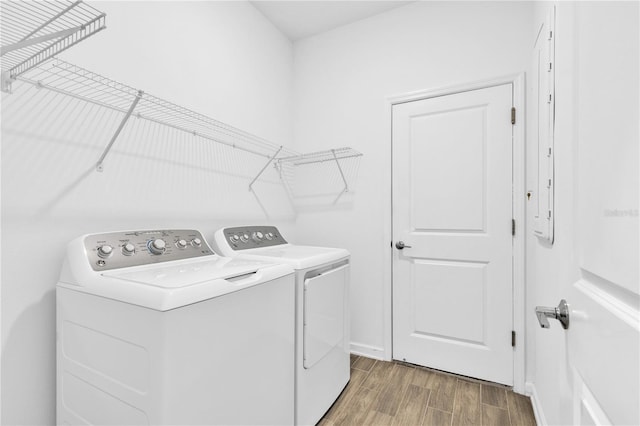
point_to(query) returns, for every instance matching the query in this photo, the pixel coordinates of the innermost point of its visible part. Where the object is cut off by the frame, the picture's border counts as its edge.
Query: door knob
(561, 313)
(400, 245)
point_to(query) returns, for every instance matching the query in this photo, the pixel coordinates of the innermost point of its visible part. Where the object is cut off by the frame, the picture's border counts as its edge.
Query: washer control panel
(133, 248)
(248, 237)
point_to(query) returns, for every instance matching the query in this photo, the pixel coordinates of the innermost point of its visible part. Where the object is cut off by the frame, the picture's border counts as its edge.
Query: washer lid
(184, 274)
(179, 283)
(299, 257)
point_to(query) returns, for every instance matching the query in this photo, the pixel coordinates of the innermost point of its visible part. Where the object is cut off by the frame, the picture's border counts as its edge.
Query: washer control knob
(244, 237)
(234, 238)
(196, 242)
(105, 251)
(181, 244)
(269, 236)
(257, 236)
(157, 246)
(128, 249)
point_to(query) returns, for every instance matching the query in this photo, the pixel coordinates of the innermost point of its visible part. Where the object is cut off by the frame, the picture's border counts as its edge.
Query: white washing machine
(322, 320)
(153, 328)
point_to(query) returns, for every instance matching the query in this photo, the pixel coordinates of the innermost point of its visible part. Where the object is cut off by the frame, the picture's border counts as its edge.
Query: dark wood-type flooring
(393, 393)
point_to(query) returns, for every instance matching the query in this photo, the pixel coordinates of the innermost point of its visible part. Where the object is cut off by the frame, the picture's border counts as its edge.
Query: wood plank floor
(393, 393)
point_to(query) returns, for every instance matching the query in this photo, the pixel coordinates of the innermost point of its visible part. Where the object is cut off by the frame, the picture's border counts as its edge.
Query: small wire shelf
(325, 173)
(33, 31)
(320, 156)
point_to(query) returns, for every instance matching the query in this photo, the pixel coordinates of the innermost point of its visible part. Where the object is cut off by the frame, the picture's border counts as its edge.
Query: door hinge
(513, 227)
(513, 338)
(513, 115)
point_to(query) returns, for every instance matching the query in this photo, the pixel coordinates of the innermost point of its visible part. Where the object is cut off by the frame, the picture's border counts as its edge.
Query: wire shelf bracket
(99, 166)
(35, 40)
(264, 168)
(33, 32)
(346, 185)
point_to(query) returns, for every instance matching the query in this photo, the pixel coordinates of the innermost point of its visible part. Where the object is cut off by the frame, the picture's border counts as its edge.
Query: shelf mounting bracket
(40, 39)
(29, 40)
(99, 166)
(346, 185)
(265, 167)
(5, 81)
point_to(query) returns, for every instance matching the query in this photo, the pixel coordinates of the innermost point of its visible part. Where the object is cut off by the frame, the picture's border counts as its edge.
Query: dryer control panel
(248, 237)
(133, 248)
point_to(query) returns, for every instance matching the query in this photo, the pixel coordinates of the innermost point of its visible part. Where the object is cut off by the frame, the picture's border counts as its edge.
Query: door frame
(518, 211)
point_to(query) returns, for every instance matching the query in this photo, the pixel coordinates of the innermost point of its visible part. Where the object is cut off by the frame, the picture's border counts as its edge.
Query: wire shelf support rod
(346, 185)
(99, 166)
(265, 167)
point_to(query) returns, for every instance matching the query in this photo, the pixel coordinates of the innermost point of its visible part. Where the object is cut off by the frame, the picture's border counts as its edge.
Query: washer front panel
(250, 237)
(134, 248)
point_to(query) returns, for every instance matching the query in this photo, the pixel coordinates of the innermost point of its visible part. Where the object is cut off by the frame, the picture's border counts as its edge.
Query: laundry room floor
(394, 393)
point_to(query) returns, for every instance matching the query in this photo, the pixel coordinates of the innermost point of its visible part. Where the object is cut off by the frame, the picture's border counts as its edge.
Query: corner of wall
(368, 351)
(535, 403)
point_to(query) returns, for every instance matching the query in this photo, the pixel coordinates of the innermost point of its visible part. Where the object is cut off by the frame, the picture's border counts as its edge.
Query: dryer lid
(299, 257)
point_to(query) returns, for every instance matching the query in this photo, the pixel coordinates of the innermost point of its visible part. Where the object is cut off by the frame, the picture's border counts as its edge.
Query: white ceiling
(300, 19)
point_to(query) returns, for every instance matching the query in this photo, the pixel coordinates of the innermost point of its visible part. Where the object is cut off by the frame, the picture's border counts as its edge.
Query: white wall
(342, 80)
(589, 373)
(223, 59)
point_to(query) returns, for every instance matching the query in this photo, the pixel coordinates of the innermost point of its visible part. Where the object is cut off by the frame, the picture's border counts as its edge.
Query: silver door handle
(400, 245)
(561, 313)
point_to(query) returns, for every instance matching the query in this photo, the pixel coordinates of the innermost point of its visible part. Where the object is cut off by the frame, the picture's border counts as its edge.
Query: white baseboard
(535, 402)
(368, 351)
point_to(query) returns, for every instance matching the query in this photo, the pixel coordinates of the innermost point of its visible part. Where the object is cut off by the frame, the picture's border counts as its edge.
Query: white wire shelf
(33, 31)
(71, 80)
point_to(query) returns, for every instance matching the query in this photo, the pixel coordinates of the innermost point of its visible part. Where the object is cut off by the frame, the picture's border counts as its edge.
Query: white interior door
(452, 207)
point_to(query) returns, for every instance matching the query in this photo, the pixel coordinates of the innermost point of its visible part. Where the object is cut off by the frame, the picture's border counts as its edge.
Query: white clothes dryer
(322, 320)
(154, 328)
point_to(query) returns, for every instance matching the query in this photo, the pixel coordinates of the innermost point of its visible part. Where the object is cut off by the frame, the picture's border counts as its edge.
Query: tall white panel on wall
(543, 88)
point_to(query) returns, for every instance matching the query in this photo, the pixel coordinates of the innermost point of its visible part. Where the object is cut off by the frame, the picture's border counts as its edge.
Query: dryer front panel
(325, 295)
